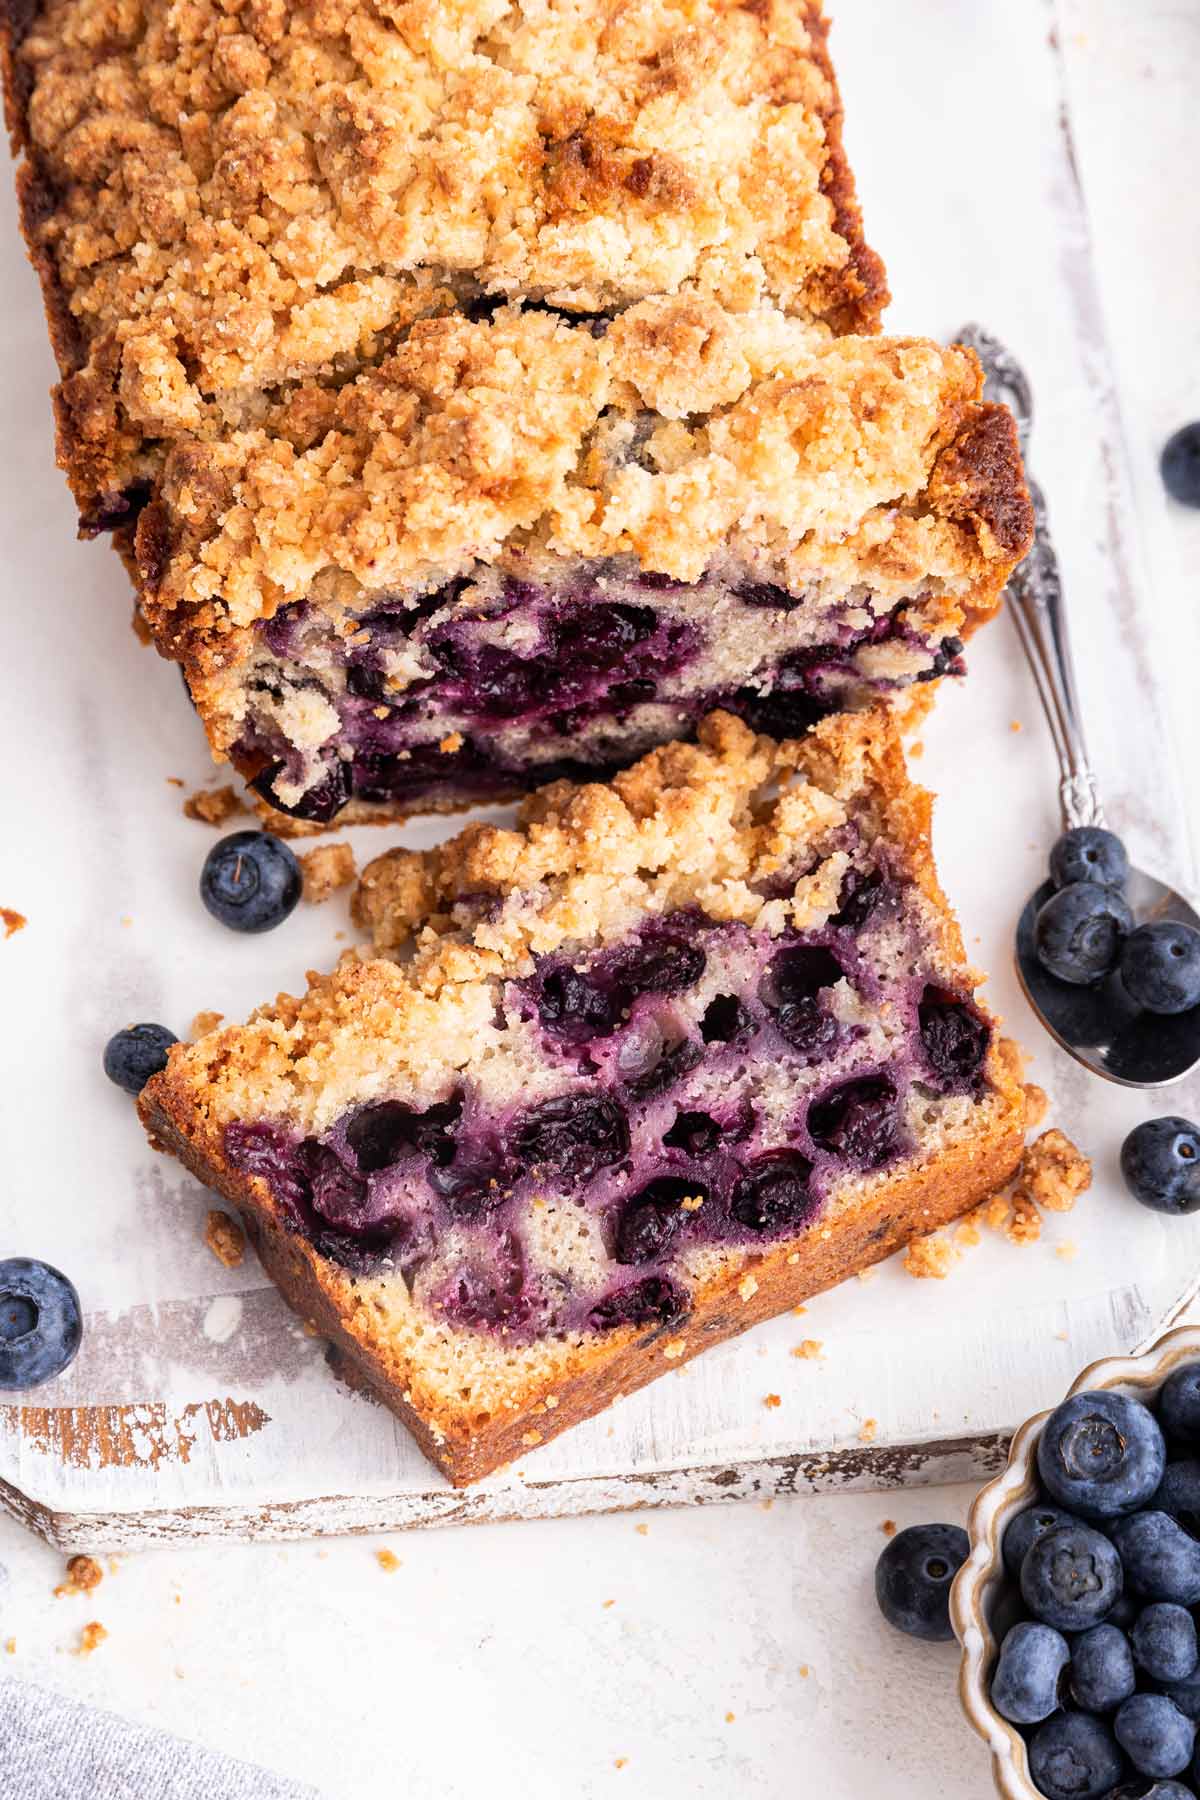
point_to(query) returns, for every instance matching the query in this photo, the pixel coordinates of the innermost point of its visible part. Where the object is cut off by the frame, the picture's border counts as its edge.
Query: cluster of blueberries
(1085, 931)
(1102, 1672)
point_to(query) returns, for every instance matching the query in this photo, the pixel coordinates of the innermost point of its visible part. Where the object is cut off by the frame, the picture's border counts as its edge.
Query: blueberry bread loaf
(230, 202)
(674, 1054)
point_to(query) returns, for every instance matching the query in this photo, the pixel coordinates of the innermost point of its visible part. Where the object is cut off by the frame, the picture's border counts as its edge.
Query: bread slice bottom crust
(893, 1211)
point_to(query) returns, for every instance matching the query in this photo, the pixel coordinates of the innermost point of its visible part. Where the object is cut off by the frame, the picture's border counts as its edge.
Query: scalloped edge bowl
(981, 1580)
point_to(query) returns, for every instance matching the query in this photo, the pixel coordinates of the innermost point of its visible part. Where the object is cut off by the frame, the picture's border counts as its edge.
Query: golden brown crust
(238, 197)
(891, 1214)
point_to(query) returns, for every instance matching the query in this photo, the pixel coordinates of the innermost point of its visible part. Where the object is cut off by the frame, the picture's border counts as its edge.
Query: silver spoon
(1100, 1026)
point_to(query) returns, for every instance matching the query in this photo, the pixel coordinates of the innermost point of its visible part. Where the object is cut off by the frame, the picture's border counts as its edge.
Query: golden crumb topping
(683, 431)
(230, 197)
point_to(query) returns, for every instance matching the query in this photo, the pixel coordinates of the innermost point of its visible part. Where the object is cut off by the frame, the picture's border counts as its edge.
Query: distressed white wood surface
(235, 1424)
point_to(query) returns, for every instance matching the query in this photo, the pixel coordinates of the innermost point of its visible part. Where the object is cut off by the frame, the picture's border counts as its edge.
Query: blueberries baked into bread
(667, 1058)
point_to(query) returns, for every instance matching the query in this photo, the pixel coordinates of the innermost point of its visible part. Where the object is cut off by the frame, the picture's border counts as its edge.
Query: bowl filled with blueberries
(1077, 1589)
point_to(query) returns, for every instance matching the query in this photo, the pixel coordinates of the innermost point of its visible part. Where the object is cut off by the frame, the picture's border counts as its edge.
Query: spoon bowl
(1099, 1025)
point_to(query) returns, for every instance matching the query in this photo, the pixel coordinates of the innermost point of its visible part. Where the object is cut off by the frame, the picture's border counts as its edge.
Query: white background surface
(489, 1659)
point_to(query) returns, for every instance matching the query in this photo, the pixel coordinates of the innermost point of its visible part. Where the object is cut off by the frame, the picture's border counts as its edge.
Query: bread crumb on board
(203, 1023)
(10, 1646)
(810, 1350)
(888, 1528)
(326, 869)
(1051, 1175)
(12, 921)
(869, 1431)
(212, 806)
(772, 1400)
(388, 1561)
(83, 1574)
(90, 1638)
(225, 1238)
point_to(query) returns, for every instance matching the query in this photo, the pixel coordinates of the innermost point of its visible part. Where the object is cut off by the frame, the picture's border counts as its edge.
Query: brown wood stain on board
(138, 1435)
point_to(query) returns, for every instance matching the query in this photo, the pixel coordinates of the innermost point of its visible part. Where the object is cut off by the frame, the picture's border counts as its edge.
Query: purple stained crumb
(664, 1167)
(583, 659)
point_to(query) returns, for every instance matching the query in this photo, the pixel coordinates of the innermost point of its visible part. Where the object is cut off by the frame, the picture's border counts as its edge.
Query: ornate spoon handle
(1036, 601)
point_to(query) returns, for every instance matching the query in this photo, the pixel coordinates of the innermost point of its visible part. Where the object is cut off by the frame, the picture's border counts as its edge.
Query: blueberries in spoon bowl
(1160, 966)
(1079, 930)
(1089, 853)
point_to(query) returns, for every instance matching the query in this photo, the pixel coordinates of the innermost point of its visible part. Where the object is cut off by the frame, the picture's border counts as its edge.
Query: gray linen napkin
(52, 1749)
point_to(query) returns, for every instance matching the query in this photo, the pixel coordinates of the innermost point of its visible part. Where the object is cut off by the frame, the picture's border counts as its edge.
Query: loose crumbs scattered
(225, 1238)
(810, 1350)
(212, 806)
(326, 869)
(772, 1400)
(83, 1574)
(1052, 1174)
(203, 1023)
(642, 1530)
(10, 1646)
(12, 921)
(388, 1561)
(888, 1528)
(869, 1432)
(90, 1638)
(1067, 1250)
(1036, 1105)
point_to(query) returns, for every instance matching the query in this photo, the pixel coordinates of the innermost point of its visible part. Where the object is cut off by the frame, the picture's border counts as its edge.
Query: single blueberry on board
(1074, 1757)
(1179, 465)
(913, 1578)
(1102, 1671)
(250, 881)
(1089, 853)
(1179, 1494)
(1163, 1640)
(1179, 1403)
(1025, 1686)
(1101, 1454)
(1156, 1737)
(41, 1322)
(1078, 932)
(1071, 1577)
(1160, 1160)
(1161, 1560)
(1160, 966)
(132, 1056)
(1024, 1531)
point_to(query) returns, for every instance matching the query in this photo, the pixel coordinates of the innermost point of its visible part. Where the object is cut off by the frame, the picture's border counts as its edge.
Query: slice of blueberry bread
(519, 548)
(231, 205)
(676, 1053)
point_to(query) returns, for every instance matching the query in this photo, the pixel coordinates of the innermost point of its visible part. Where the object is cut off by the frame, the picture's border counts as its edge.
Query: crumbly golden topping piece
(1053, 1173)
(232, 196)
(225, 1238)
(326, 869)
(691, 824)
(212, 806)
(684, 431)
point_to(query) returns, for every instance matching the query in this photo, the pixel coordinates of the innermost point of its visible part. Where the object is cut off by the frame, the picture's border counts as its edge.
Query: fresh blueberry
(1164, 1642)
(857, 1121)
(773, 1194)
(1141, 1789)
(652, 1218)
(1089, 854)
(1160, 966)
(1026, 1529)
(1160, 1160)
(1102, 1671)
(1179, 1396)
(726, 1020)
(913, 1578)
(132, 1056)
(1071, 1577)
(1180, 465)
(1161, 1559)
(1154, 1734)
(41, 1322)
(655, 1300)
(954, 1037)
(1074, 1757)
(1101, 1455)
(1025, 1686)
(573, 1136)
(1186, 1695)
(250, 881)
(1079, 930)
(1179, 1494)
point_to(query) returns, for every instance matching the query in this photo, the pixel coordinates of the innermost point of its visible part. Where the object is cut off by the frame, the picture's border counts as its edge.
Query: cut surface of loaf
(233, 208)
(677, 1052)
(520, 547)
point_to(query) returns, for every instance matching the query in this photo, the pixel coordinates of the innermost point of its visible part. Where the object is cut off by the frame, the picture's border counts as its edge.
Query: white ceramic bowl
(981, 1581)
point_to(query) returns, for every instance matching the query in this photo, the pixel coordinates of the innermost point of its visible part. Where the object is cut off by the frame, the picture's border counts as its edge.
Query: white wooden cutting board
(198, 1407)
